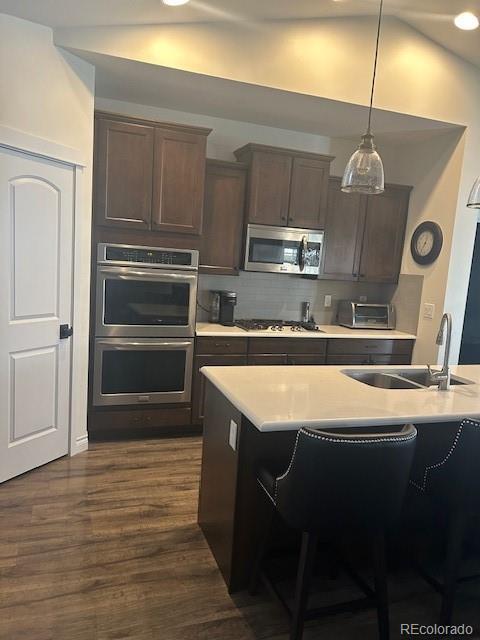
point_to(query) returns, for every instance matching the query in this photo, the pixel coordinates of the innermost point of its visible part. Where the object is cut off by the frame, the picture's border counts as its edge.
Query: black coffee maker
(223, 307)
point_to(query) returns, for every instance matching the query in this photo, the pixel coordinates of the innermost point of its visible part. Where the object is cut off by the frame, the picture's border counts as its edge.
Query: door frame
(42, 148)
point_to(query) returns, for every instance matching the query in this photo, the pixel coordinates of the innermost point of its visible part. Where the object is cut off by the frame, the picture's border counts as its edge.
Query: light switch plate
(232, 436)
(429, 311)
(328, 301)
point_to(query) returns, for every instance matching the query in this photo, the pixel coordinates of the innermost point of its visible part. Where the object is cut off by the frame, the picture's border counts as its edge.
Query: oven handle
(130, 343)
(155, 275)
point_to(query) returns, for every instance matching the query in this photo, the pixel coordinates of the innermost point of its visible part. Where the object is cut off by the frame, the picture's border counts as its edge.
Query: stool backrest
(337, 480)
(453, 475)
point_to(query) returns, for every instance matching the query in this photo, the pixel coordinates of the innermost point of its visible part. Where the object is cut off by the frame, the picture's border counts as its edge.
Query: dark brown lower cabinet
(301, 359)
(267, 358)
(218, 351)
(198, 391)
(358, 351)
(368, 359)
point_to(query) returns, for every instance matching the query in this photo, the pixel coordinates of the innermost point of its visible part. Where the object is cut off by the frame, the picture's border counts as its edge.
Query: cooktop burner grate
(275, 325)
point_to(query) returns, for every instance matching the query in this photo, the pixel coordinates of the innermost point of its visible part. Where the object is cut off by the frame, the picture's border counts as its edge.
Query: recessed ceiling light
(175, 3)
(466, 21)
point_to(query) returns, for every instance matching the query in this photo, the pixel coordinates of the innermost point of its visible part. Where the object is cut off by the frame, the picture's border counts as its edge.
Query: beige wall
(50, 94)
(325, 58)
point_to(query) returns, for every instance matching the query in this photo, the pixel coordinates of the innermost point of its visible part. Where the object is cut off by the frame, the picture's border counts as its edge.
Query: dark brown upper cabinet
(286, 187)
(384, 233)
(123, 174)
(308, 193)
(221, 242)
(344, 225)
(364, 234)
(269, 188)
(178, 181)
(149, 175)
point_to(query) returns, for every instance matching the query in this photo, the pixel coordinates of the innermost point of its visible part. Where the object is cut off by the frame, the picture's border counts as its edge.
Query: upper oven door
(283, 250)
(145, 302)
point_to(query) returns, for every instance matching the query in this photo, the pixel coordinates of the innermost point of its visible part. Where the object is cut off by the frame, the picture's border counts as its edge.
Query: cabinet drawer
(140, 418)
(306, 359)
(267, 359)
(368, 359)
(214, 345)
(313, 346)
(360, 346)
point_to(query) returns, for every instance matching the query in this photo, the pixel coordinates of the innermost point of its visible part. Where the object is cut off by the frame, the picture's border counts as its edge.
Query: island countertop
(283, 398)
(205, 329)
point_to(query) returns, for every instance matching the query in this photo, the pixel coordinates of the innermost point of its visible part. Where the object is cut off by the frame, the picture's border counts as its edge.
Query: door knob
(65, 331)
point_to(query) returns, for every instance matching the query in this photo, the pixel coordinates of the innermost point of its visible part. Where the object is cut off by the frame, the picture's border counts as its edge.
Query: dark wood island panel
(230, 509)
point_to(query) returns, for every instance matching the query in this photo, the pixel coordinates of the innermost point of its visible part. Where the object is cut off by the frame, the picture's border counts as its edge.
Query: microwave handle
(302, 251)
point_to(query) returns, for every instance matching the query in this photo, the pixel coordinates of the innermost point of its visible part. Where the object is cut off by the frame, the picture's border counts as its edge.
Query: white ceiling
(432, 17)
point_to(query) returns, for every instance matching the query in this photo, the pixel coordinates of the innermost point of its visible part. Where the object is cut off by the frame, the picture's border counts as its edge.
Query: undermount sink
(381, 380)
(399, 378)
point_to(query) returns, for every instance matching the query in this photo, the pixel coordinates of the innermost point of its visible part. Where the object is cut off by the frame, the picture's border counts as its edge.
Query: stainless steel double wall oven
(145, 324)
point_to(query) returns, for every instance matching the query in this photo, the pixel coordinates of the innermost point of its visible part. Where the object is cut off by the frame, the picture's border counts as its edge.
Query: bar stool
(337, 481)
(450, 479)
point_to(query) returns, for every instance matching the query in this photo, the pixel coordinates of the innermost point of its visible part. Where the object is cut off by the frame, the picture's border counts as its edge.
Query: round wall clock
(427, 241)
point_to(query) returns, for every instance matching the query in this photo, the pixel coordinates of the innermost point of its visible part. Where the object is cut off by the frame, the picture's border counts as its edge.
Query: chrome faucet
(442, 377)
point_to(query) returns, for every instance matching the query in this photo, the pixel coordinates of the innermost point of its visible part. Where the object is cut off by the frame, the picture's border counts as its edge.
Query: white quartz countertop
(326, 331)
(282, 398)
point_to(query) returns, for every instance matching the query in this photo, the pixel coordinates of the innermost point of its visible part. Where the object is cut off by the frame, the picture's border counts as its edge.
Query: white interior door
(36, 246)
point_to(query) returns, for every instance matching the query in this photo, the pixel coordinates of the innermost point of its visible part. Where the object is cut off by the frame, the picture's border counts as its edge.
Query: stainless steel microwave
(364, 315)
(283, 250)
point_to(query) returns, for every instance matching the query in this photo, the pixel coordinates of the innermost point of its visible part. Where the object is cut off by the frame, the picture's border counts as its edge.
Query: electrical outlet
(232, 436)
(362, 298)
(429, 311)
(328, 301)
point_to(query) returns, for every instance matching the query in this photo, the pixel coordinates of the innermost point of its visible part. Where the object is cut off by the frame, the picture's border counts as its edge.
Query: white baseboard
(81, 444)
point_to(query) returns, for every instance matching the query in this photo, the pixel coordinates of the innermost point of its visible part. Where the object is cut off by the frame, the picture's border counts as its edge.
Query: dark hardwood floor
(105, 546)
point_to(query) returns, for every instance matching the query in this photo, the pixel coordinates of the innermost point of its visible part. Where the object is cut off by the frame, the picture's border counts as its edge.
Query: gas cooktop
(276, 325)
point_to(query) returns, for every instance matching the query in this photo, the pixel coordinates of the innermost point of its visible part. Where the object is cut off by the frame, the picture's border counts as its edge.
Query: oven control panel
(147, 256)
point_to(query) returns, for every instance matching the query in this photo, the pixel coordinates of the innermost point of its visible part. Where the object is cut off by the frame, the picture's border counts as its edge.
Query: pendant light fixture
(364, 171)
(474, 197)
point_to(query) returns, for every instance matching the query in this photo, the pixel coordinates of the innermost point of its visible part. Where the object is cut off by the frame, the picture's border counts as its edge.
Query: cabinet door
(308, 193)
(221, 242)
(198, 391)
(123, 174)
(178, 181)
(269, 188)
(267, 359)
(344, 223)
(306, 359)
(383, 236)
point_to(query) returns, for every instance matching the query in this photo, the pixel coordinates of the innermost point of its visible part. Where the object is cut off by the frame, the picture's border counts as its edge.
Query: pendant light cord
(375, 67)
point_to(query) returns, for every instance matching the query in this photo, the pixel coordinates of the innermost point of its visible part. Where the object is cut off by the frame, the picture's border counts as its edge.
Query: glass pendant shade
(474, 197)
(364, 171)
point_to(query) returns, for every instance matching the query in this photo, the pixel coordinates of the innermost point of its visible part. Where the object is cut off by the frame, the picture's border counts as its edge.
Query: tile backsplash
(279, 296)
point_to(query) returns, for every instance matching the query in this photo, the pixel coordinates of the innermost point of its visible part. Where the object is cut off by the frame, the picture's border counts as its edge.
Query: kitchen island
(252, 415)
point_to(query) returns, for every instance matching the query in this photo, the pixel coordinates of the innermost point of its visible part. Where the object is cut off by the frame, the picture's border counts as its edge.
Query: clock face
(426, 243)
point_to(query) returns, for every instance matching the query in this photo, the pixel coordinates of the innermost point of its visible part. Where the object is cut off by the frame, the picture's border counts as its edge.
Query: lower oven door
(142, 371)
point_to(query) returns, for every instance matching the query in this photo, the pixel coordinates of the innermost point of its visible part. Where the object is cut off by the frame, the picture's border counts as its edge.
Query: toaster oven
(363, 315)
